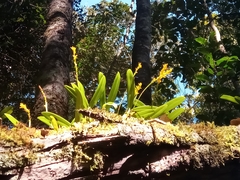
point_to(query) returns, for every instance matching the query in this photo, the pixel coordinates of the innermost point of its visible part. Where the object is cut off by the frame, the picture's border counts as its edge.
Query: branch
(215, 29)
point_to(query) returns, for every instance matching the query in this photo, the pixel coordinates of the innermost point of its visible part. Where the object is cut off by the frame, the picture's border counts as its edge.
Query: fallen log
(117, 147)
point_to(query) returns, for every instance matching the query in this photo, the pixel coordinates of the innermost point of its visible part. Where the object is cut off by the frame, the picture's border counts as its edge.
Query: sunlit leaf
(45, 120)
(13, 120)
(229, 98)
(115, 88)
(8, 110)
(130, 88)
(201, 40)
(137, 103)
(54, 123)
(102, 99)
(173, 115)
(71, 91)
(221, 60)
(58, 118)
(159, 111)
(99, 92)
(174, 103)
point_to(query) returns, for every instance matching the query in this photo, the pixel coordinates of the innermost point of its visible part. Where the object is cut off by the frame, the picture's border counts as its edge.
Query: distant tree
(104, 43)
(54, 68)
(141, 48)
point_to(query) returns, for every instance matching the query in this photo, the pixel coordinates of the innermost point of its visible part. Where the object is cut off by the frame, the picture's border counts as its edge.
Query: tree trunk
(54, 69)
(141, 48)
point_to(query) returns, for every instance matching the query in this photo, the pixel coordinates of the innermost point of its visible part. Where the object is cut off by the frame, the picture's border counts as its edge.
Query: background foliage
(103, 45)
(22, 24)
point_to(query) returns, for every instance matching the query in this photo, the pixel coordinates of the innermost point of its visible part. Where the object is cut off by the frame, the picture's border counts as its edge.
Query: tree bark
(54, 68)
(114, 147)
(141, 48)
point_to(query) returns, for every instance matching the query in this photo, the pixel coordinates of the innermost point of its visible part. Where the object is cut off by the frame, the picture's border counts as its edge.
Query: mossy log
(117, 147)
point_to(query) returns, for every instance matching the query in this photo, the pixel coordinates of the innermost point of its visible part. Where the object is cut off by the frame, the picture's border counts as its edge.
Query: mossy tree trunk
(54, 68)
(141, 48)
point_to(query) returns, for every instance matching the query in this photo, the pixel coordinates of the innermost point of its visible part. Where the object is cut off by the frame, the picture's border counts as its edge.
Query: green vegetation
(77, 92)
(182, 37)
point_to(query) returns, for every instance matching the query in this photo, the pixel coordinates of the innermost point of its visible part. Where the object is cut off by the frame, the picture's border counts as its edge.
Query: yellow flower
(74, 50)
(137, 88)
(74, 53)
(163, 73)
(137, 68)
(75, 61)
(24, 107)
(44, 97)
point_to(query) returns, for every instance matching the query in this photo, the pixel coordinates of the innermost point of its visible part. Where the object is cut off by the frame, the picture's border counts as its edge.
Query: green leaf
(221, 60)
(210, 71)
(130, 88)
(102, 99)
(209, 58)
(205, 89)
(13, 120)
(83, 96)
(71, 91)
(73, 121)
(203, 50)
(202, 77)
(80, 86)
(234, 58)
(237, 98)
(159, 111)
(145, 113)
(78, 104)
(219, 73)
(174, 103)
(226, 59)
(173, 115)
(137, 103)
(115, 88)
(58, 118)
(8, 110)
(99, 92)
(229, 98)
(109, 104)
(201, 40)
(45, 120)
(100, 75)
(54, 123)
(81, 100)
(144, 107)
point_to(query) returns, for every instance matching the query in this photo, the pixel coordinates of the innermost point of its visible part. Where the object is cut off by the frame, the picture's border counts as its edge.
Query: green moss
(17, 159)
(98, 162)
(207, 142)
(18, 149)
(17, 136)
